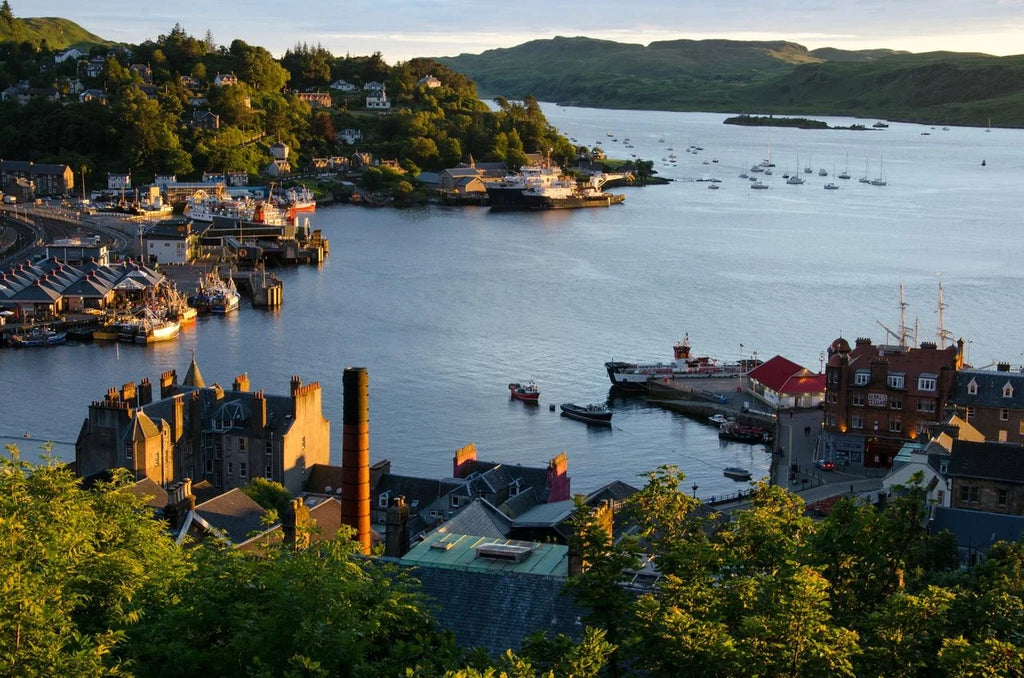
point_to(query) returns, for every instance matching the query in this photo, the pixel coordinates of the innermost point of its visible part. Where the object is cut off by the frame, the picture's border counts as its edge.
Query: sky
(403, 29)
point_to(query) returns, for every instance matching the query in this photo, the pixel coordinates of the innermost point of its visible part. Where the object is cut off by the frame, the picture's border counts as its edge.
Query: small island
(772, 121)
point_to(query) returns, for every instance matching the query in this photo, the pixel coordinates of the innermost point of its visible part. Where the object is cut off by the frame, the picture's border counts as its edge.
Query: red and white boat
(636, 375)
(299, 199)
(527, 392)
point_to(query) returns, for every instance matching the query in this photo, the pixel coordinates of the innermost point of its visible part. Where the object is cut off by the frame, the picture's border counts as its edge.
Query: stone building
(204, 432)
(993, 401)
(987, 476)
(878, 397)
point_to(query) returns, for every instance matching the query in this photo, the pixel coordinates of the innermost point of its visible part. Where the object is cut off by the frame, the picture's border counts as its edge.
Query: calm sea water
(445, 306)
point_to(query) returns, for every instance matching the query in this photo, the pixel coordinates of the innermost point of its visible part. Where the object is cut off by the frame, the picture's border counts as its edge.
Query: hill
(55, 33)
(763, 76)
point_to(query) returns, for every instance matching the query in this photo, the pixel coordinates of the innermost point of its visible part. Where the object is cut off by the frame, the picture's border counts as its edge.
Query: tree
(80, 568)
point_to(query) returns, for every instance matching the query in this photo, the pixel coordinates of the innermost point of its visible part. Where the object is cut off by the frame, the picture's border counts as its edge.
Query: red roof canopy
(785, 376)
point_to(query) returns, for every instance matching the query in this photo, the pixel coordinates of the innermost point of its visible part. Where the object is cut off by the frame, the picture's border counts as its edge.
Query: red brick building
(878, 397)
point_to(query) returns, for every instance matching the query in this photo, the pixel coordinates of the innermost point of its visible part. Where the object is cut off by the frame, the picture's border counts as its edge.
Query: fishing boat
(736, 473)
(215, 295)
(527, 392)
(153, 330)
(39, 336)
(591, 414)
(718, 419)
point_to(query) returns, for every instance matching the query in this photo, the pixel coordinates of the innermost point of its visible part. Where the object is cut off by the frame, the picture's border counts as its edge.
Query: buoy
(551, 407)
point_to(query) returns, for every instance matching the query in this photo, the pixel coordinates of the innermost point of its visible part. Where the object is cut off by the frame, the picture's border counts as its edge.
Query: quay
(796, 437)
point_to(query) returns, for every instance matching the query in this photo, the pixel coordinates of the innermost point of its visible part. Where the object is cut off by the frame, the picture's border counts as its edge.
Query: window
(857, 421)
(926, 382)
(895, 425)
(1004, 414)
(231, 468)
(268, 472)
(975, 494)
(965, 493)
(862, 378)
(1021, 429)
(896, 403)
(242, 444)
(969, 494)
(209, 465)
(1004, 498)
(858, 399)
(382, 500)
(831, 419)
(1007, 390)
(972, 388)
(1002, 435)
(969, 413)
(926, 405)
(243, 469)
(129, 450)
(270, 447)
(896, 380)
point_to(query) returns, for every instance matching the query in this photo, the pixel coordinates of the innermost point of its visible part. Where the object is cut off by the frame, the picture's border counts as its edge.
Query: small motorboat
(592, 414)
(527, 392)
(736, 473)
(718, 419)
(743, 434)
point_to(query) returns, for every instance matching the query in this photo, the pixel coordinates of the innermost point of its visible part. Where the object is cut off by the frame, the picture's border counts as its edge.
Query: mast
(903, 320)
(943, 333)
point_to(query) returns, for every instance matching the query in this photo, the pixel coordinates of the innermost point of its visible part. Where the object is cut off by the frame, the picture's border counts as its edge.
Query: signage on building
(877, 399)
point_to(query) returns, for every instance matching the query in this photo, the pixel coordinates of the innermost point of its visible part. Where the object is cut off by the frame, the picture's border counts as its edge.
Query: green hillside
(768, 77)
(55, 32)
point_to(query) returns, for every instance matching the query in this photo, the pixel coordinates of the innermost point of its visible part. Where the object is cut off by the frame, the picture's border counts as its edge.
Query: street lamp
(694, 490)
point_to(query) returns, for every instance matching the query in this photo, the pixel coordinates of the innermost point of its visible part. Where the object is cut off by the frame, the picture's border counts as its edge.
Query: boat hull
(737, 473)
(587, 415)
(516, 199)
(524, 392)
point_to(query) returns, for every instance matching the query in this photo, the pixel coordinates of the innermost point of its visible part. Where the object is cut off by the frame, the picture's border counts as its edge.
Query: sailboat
(880, 180)
(865, 179)
(989, 128)
(794, 178)
(845, 174)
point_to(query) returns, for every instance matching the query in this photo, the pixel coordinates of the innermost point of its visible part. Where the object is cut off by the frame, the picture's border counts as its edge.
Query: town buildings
(993, 401)
(878, 397)
(43, 179)
(196, 431)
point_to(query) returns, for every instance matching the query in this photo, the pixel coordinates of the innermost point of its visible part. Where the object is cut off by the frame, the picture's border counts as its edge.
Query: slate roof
(156, 496)
(613, 491)
(423, 491)
(545, 515)
(990, 389)
(520, 503)
(233, 513)
(528, 476)
(495, 605)
(479, 519)
(987, 460)
(978, 529)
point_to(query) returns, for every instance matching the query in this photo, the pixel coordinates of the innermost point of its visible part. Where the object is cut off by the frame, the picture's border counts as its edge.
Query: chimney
(180, 501)
(258, 421)
(463, 456)
(145, 392)
(558, 479)
(396, 535)
(1002, 367)
(355, 454)
(168, 380)
(177, 417)
(128, 393)
(241, 383)
(295, 523)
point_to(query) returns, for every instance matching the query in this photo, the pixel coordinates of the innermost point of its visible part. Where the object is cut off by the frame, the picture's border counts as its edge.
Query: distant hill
(749, 76)
(58, 33)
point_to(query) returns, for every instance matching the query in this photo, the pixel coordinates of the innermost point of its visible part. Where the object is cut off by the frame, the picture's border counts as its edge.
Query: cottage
(278, 168)
(343, 86)
(72, 53)
(378, 100)
(350, 136)
(225, 79)
(97, 95)
(428, 81)
(316, 99)
(205, 120)
(279, 150)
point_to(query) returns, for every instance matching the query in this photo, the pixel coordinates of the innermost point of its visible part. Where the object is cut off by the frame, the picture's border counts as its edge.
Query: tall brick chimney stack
(355, 454)
(396, 535)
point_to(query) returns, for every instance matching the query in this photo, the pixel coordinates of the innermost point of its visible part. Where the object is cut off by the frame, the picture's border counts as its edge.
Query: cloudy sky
(402, 29)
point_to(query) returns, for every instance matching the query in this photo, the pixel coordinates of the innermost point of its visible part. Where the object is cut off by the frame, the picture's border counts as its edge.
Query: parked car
(825, 465)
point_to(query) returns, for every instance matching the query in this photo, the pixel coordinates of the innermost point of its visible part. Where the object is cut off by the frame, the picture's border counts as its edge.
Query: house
(237, 179)
(205, 120)
(373, 86)
(119, 182)
(46, 179)
(987, 476)
(143, 71)
(358, 159)
(277, 168)
(462, 180)
(316, 99)
(196, 431)
(72, 53)
(378, 100)
(163, 180)
(350, 136)
(428, 81)
(279, 150)
(225, 79)
(93, 95)
(189, 82)
(198, 102)
(172, 241)
(95, 66)
(343, 86)
(782, 384)
(993, 401)
(213, 178)
(976, 532)
(878, 397)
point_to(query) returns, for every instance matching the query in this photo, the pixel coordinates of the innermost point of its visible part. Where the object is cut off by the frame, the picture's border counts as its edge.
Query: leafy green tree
(257, 66)
(80, 568)
(269, 494)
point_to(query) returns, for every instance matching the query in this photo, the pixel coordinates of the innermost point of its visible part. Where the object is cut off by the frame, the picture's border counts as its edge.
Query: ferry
(544, 187)
(634, 376)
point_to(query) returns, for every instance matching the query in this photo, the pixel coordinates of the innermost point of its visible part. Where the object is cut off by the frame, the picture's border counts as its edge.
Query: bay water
(445, 306)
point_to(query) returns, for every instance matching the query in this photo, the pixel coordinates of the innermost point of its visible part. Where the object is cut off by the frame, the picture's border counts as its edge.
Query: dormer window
(382, 500)
(927, 382)
(972, 387)
(896, 380)
(861, 378)
(1007, 390)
